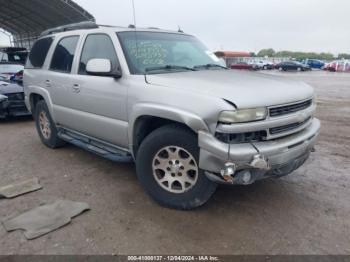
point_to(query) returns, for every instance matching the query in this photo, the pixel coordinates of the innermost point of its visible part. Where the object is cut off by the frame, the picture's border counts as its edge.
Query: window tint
(98, 46)
(63, 56)
(39, 52)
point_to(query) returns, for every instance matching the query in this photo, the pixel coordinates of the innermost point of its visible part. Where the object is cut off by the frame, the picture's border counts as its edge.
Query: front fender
(191, 120)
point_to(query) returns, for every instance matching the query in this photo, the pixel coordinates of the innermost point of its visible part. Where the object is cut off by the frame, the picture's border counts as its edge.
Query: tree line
(300, 55)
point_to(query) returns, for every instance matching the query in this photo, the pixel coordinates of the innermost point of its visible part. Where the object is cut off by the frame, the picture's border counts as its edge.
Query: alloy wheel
(175, 169)
(44, 124)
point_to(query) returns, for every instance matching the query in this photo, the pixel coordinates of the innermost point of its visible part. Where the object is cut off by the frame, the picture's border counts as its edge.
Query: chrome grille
(287, 128)
(289, 109)
(15, 96)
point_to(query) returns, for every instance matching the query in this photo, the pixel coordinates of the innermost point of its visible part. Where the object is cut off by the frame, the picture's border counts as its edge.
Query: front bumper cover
(12, 108)
(280, 154)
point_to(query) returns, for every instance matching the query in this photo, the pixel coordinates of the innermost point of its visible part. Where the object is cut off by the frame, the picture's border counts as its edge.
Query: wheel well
(145, 125)
(34, 99)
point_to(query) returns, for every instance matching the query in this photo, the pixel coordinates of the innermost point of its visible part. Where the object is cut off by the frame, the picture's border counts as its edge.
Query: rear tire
(167, 168)
(46, 127)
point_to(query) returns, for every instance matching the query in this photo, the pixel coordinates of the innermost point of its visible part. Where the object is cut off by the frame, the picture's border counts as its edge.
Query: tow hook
(260, 162)
(228, 172)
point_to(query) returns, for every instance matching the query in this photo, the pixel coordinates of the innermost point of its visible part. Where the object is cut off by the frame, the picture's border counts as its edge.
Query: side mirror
(102, 67)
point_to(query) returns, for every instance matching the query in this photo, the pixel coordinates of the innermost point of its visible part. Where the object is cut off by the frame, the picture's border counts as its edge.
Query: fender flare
(189, 119)
(45, 94)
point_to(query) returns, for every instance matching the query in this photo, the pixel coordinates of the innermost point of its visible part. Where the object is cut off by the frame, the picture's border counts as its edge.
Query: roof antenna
(180, 30)
(134, 13)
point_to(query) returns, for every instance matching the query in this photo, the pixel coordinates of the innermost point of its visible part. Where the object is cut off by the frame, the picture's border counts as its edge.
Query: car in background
(15, 55)
(343, 66)
(9, 70)
(292, 66)
(12, 100)
(18, 77)
(347, 67)
(314, 63)
(263, 65)
(338, 66)
(242, 66)
(331, 67)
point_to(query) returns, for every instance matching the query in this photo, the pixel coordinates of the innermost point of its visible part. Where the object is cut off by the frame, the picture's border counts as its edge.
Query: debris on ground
(44, 219)
(20, 188)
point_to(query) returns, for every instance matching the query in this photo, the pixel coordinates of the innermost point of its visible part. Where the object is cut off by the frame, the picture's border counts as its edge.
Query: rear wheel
(46, 127)
(167, 167)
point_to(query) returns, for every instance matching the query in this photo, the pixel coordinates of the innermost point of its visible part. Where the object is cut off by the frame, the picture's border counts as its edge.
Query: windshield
(165, 52)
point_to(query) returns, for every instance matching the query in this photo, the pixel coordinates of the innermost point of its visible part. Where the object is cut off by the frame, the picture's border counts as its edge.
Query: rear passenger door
(97, 104)
(59, 80)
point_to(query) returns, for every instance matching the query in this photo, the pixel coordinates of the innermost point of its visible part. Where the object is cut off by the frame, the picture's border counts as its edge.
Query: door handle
(76, 88)
(48, 83)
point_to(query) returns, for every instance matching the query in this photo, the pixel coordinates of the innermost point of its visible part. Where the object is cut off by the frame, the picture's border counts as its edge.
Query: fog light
(228, 172)
(259, 162)
(246, 177)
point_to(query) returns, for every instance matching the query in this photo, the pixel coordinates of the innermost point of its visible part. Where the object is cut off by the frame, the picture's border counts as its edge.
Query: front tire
(167, 168)
(46, 127)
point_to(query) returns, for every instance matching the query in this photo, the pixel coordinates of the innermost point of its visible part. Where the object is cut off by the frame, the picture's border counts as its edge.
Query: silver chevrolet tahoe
(162, 99)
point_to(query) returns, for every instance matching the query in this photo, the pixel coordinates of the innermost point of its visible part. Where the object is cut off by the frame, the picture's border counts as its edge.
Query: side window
(97, 46)
(4, 57)
(63, 56)
(38, 53)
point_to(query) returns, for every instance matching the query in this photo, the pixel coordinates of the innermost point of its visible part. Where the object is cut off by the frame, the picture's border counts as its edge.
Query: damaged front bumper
(12, 107)
(248, 162)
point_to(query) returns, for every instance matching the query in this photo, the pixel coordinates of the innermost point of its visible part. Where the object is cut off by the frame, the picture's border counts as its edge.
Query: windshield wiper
(207, 66)
(169, 67)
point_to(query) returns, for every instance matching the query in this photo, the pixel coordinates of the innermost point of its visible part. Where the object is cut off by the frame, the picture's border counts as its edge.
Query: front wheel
(167, 167)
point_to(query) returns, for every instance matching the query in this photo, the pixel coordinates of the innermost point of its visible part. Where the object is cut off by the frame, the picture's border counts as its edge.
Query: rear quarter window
(38, 53)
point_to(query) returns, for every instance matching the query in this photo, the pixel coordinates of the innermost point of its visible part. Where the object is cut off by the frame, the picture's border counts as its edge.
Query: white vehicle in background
(262, 65)
(8, 70)
(12, 60)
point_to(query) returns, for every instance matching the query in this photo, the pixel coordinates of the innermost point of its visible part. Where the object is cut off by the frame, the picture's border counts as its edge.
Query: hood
(7, 88)
(244, 89)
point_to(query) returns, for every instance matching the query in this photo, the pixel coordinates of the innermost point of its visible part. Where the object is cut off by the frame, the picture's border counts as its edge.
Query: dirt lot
(305, 213)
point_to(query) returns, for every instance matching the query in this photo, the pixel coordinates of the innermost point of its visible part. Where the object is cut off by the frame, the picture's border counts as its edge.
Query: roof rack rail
(70, 27)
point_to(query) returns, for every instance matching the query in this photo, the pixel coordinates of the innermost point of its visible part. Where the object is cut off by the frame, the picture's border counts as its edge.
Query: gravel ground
(305, 213)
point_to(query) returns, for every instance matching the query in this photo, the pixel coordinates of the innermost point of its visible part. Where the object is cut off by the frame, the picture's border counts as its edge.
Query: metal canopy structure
(26, 19)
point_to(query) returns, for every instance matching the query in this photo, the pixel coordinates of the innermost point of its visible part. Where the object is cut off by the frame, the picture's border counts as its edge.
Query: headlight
(243, 115)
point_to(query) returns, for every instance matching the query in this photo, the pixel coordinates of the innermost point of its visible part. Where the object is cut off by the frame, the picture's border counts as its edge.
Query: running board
(97, 147)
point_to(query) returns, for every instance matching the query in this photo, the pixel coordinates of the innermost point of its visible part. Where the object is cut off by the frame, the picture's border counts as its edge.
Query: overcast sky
(242, 25)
